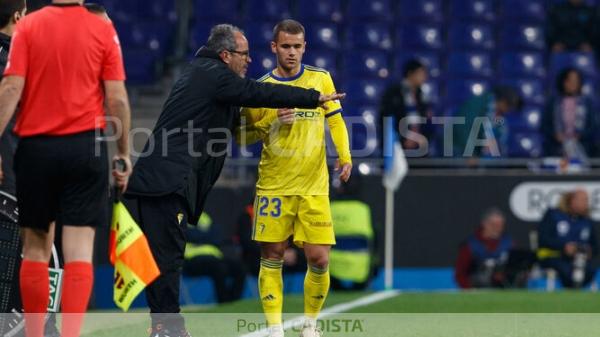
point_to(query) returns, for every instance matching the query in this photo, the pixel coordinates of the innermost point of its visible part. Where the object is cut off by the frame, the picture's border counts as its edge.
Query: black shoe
(160, 331)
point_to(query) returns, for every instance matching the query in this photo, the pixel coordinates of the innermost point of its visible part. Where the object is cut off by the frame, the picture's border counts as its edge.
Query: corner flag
(394, 162)
(130, 253)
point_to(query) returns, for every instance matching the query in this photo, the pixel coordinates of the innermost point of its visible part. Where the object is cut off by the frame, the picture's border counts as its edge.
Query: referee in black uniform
(185, 154)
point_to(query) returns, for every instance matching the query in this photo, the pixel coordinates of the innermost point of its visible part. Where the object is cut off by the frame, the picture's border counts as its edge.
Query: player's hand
(323, 99)
(122, 176)
(345, 170)
(286, 116)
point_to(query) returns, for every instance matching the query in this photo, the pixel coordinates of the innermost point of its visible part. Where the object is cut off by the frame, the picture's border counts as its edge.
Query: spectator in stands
(204, 257)
(484, 133)
(482, 258)
(567, 240)
(569, 122)
(570, 27)
(407, 104)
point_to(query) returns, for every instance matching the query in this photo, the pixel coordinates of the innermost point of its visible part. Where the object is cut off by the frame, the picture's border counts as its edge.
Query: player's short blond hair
(288, 26)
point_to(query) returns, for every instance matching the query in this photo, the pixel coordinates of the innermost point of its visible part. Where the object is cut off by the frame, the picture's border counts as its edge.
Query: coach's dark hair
(8, 8)
(411, 66)
(95, 8)
(222, 38)
(288, 26)
(562, 77)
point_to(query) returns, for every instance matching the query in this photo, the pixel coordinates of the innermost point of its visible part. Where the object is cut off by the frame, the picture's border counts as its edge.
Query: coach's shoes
(160, 331)
(276, 331)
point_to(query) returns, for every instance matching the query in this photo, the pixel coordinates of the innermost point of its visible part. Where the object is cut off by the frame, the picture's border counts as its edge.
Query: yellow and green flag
(130, 253)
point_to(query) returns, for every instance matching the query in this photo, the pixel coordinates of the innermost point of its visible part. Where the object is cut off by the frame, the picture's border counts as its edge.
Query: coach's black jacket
(206, 97)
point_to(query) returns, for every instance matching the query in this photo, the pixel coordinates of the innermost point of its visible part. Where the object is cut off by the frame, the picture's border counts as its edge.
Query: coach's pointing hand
(323, 99)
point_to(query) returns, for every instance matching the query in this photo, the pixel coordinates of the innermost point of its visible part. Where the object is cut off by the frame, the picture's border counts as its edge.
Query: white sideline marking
(336, 309)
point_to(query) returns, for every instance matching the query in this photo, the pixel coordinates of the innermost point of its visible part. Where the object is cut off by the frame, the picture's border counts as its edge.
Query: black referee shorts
(62, 179)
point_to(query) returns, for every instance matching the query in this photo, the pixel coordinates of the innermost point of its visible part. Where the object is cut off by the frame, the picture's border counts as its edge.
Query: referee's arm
(11, 89)
(117, 105)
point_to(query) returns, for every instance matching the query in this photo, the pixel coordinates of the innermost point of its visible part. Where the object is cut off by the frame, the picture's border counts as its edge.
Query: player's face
(289, 49)
(238, 60)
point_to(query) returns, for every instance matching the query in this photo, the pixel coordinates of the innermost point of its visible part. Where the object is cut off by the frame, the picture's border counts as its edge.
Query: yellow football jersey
(293, 159)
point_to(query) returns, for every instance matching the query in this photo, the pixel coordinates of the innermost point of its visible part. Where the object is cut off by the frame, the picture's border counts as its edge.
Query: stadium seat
(431, 92)
(322, 36)
(520, 37)
(527, 120)
(199, 35)
(529, 11)
(430, 60)
(374, 10)
(259, 34)
(319, 10)
(584, 62)
(525, 145)
(222, 10)
(473, 10)
(459, 90)
(427, 37)
(474, 65)
(421, 11)
(362, 122)
(531, 90)
(369, 36)
(155, 36)
(322, 59)
(263, 61)
(132, 10)
(141, 66)
(522, 65)
(473, 37)
(367, 64)
(273, 10)
(363, 92)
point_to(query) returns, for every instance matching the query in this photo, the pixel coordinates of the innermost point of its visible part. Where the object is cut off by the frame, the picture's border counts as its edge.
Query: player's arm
(339, 132)
(253, 126)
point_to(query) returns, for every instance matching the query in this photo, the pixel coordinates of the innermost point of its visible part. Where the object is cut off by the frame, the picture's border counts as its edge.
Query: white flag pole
(389, 239)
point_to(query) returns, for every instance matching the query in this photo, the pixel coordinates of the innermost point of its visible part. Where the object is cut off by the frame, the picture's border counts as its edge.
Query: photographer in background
(482, 258)
(568, 240)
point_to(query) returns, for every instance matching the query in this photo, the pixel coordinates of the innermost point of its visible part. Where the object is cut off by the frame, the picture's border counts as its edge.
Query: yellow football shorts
(306, 217)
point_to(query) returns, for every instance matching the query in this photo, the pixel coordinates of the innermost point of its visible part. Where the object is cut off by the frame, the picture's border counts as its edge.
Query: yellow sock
(270, 288)
(316, 287)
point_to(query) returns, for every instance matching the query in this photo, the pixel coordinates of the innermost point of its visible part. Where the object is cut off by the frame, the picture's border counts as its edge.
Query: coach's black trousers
(163, 220)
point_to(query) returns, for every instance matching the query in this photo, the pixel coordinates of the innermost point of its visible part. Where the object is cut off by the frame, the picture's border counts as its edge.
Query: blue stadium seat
(525, 145)
(259, 34)
(527, 120)
(473, 65)
(585, 62)
(430, 60)
(155, 36)
(362, 129)
(263, 61)
(421, 11)
(522, 65)
(267, 9)
(427, 37)
(222, 10)
(473, 10)
(199, 35)
(133, 10)
(141, 66)
(369, 36)
(459, 90)
(319, 10)
(528, 11)
(322, 59)
(367, 64)
(471, 37)
(519, 37)
(322, 36)
(363, 92)
(373, 10)
(531, 90)
(590, 89)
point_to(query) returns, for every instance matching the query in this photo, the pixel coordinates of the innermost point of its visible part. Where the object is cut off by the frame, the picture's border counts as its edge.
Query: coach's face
(238, 59)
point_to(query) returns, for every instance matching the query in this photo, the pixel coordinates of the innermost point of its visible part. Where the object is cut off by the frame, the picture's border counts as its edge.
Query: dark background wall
(435, 210)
